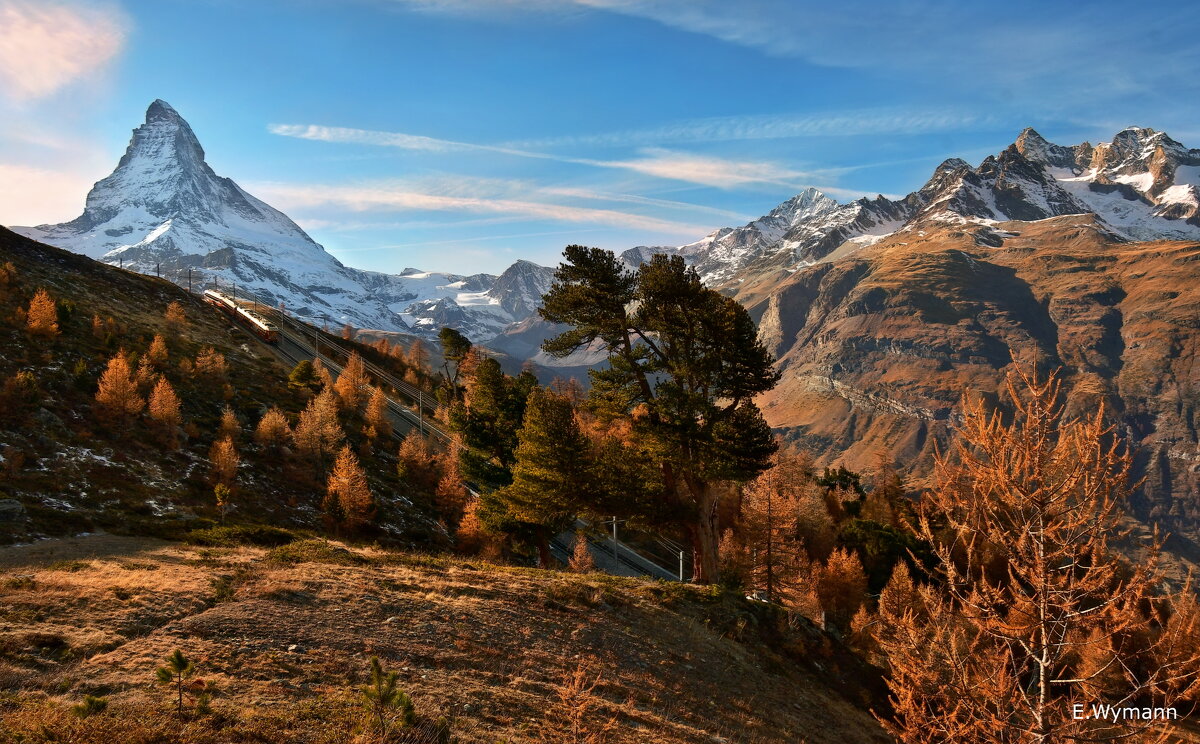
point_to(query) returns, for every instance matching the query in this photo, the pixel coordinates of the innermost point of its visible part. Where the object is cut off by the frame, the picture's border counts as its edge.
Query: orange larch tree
(117, 393)
(157, 353)
(273, 431)
(377, 414)
(351, 384)
(42, 318)
(175, 317)
(225, 460)
(1035, 629)
(165, 413)
(318, 432)
(348, 502)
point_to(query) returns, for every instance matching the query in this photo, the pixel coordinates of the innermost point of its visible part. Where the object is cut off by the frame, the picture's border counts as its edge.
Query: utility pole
(614, 542)
(158, 269)
(189, 281)
(421, 410)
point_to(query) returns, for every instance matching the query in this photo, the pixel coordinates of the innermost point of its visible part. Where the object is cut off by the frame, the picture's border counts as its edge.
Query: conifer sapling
(385, 702)
(177, 669)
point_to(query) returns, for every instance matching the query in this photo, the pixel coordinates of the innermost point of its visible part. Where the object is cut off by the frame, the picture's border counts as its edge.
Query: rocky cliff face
(163, 210)
(877, 349)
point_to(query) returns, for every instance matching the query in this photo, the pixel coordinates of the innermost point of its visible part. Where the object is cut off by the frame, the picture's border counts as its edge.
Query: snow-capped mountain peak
(163, 209)
(1143, 185)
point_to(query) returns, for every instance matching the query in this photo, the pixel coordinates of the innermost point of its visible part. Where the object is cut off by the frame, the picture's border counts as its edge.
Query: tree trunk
(543, 548)
(705, 533)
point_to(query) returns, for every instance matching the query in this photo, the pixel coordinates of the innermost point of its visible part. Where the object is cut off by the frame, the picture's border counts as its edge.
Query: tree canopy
(684, 366)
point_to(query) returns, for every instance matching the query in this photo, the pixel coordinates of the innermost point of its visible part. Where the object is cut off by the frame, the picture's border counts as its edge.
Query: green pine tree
(684, 366)
(455, 347)
(552, 478)
(385, 702)
(177, 669)
(303, 376)
(488, 420)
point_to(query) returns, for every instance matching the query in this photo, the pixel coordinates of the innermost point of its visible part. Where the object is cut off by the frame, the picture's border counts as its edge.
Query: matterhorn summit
(163, 210)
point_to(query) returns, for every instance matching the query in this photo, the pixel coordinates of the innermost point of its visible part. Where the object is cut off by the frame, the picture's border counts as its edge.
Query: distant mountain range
(164, 210)
(1143, 185)
(884, 313)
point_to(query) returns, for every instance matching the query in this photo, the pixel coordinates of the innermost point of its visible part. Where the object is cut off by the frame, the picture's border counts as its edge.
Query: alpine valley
(881, 312)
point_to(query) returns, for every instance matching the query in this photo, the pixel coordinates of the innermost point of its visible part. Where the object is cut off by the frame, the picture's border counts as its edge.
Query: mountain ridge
(1143, 184)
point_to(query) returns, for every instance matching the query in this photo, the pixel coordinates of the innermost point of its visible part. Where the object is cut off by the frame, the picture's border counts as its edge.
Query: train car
(257, 324)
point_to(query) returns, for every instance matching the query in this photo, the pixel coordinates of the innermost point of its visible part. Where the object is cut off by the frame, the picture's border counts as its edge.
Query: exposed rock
(11, 511)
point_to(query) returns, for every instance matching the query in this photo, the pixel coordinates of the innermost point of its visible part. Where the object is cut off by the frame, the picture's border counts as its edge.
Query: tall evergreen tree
(684, 366)
(552, 477)
(488, 419)
(455, 349)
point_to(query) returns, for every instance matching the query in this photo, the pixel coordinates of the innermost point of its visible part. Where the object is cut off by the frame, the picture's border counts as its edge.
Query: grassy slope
(73, 474)
(489, 646)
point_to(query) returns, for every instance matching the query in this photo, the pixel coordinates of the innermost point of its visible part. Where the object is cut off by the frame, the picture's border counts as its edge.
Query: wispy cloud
(705, 170)
(592, 195)
(778, 126)
(45, 46)
(1062, 61)
(398, 197)
(459, 241)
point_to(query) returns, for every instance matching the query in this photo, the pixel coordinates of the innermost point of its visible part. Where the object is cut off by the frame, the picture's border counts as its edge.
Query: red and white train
(256, 323)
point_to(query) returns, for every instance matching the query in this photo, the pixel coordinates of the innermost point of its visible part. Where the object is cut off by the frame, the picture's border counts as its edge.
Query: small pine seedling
(381, 697)
(178, 668)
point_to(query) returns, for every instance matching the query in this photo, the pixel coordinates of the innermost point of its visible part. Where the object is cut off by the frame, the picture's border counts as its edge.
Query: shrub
(90, 706)
(315, 551)
(261, 535)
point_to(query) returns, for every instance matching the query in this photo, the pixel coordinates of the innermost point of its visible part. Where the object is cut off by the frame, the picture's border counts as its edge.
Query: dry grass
(506, 654)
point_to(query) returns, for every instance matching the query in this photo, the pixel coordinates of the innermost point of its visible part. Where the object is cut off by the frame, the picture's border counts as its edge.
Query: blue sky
(460, 135)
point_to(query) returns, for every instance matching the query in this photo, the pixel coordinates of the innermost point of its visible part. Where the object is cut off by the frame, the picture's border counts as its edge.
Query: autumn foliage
(164, 412)
(348, 502)
(117, 394)
(273, 431)
(42, 317)
(1032, 612)
(225, 461)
